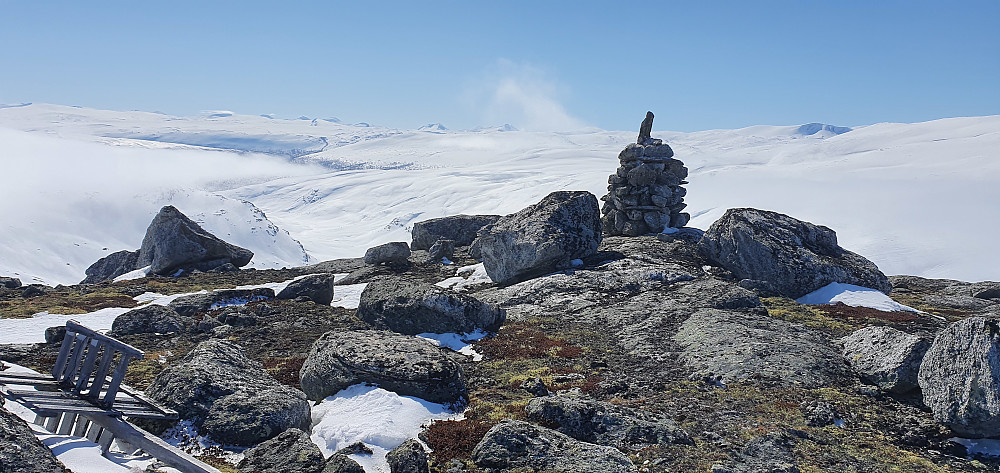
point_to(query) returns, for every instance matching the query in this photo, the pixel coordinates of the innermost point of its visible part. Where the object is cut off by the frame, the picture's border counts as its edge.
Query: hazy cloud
(520, 94)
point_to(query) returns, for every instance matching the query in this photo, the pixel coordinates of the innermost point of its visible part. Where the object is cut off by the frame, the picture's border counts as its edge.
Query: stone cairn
(645, 194)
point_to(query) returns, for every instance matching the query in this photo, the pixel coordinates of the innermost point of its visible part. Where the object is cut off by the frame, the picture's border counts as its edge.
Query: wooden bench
(85, 397)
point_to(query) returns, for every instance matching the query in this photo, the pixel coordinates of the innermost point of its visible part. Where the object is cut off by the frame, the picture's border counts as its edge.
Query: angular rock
(151, 318)
(35, 290)
(461, 229)
(395, 252)
(111, 266)
(542, 238)
(409, 457)
(604, 423)
(730, 346)
(885, 357)
(441, 249)
(21, 451)
(229, 396)
(290, 452)
(960, 377)
(340, 463)
(189, 305)
(518, 444)
(407, 365)
(794, 256)
(55, 334)
(412, 307)
(173, 241)
(317, 287)
(10, 283)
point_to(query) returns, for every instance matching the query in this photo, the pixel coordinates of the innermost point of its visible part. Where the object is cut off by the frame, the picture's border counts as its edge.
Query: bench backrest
(85, 360)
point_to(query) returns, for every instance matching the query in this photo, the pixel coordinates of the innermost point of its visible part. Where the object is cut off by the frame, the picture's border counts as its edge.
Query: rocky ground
(659, 362)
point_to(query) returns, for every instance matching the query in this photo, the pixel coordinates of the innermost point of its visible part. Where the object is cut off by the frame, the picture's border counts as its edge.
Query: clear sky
(535, 64)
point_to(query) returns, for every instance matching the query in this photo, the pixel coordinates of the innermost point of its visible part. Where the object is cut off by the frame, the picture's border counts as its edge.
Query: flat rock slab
(406, 365)
(412, 307)
(604, 423)
(189, 305)
(518, 444)
(731, 346)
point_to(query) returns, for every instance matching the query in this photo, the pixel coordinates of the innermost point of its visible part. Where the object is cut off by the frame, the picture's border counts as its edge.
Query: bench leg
(67, 423)
(105, 441)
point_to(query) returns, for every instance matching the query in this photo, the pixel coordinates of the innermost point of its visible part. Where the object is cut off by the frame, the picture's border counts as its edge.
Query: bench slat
(72, 325)
(86, 370)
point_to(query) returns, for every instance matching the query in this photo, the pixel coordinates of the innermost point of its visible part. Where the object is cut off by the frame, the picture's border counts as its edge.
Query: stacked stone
(645, 194)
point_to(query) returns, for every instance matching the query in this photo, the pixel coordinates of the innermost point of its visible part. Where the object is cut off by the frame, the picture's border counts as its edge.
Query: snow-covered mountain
(915, 198)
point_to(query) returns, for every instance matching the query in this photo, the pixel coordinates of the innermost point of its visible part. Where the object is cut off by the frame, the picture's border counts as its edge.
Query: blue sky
(543, 65)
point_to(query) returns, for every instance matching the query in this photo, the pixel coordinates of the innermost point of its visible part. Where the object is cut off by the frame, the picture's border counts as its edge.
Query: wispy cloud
(520, 94)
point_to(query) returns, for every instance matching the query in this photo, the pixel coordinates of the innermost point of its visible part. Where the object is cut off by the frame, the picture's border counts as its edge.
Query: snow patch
(460, 342)
(467, 276)
(136, 274)
(32, 329)
(348, 296)
(381, 419)
(854, 296)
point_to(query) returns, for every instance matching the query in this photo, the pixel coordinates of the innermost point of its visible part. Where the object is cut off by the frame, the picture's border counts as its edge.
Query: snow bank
(381, 419)
(854, 296)
(460, 342)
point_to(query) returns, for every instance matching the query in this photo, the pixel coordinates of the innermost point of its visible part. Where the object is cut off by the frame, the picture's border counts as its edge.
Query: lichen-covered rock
(518, 444)
(229, 396)
(317, 287)
(290, 452)
(21, 451)
(173, 241)
(151, 318)
(794, 256)
(10, 283)
(189, 305)
(111, 266)
(412, 307)
(441, 249)
(733, 346)
(394, 252)
(407, 365)
(541, 238)
(459, 228)
(604, 423)
(885, 357)
(340, 463)
(960, 377)
(409, 457)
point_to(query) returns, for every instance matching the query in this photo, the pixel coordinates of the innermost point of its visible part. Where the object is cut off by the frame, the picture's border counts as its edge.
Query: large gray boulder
(960, 377)
(151, 318)
(290, 452)
(518, 444)
(885, 357)
(730, 347)
(542, 238)
(412, 307)
(793, 256)
(9, 283)
(173, 241)
(111, 266)
(407, 365)
(317, 287)
(394, 252)
(604, 423)
(230, 397)
(21, 451)
(461, 229)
